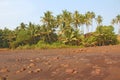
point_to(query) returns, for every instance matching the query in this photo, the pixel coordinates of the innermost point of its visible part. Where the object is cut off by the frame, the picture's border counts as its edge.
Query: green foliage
(6, 36)
(1, 38)
(90, 40)
(60, 31)
(105, 35)
(43, 45)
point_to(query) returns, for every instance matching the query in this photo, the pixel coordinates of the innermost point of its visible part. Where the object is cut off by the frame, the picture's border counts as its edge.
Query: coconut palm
(113, 21)
(48, 20)
(76, 19)
(82, 22)
(67, 29)
(49, 25)
(99, 20)
(87, 20)
(117, 21)
(92, 16)
(22, 26)
(65, 20)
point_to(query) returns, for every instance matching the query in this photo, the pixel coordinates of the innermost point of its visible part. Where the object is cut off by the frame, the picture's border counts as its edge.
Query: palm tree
(117, 21)
(22, 26)
(49, 24)
(76, 19)
(99, 20)
(65, 20)
(58, 21)
(113, 21)
(82, 22)
(88, 20)
(48, 20)
(92, 16)
(32, 30)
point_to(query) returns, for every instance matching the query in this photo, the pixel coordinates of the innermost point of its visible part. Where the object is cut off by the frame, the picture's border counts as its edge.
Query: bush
(90, 41)
(105, 35)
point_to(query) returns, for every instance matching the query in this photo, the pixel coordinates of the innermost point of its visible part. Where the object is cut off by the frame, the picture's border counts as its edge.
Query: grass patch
(43, 45)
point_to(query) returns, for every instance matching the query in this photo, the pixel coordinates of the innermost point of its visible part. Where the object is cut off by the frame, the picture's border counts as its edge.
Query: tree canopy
(64, 29)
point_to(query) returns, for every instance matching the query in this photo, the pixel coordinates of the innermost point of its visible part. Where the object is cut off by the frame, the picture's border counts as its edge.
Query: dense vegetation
(63, 30)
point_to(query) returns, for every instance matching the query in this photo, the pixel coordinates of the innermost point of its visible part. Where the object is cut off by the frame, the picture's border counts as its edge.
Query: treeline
(63, 30)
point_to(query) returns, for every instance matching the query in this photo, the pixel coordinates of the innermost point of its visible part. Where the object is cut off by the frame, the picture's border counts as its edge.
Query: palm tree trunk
(119, 29)
(87, 29)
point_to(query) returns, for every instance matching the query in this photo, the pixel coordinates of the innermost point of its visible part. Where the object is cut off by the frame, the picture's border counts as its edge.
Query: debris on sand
(22, 69)
(31, 65)
(37, 70)
(31, 60)
(96, 72)
(64, 65)
(56, 58)
(17, 72)
(70, 71)
(30, 72)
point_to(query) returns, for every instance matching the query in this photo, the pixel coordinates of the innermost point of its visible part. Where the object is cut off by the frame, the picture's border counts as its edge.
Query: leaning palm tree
(82, 22)
(92, 17)
(117, 21)
(99, 20)
(88, 20)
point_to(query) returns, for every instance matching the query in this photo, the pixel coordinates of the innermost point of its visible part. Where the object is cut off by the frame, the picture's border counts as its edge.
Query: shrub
(105, 35)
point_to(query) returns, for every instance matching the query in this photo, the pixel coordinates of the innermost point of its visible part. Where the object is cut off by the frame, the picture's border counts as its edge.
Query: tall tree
(99, 20)
(65, 20)
(49, 25)
(92, 17)
(76, 19)
(117, 21)
(88, 20)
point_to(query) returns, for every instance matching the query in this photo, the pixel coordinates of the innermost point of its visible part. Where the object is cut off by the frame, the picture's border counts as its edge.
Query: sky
(13, 12)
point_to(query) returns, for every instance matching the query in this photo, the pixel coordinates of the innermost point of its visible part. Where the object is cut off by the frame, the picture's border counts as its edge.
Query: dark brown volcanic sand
(96, 63)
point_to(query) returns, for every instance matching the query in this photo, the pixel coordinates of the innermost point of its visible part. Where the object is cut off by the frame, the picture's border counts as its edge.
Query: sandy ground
(94, 63)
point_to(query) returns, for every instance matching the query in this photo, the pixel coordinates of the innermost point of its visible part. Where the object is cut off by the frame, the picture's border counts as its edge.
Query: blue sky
(13, 12)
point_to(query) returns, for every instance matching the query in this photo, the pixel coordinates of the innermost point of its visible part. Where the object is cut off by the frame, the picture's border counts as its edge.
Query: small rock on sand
(96, 72)
(31, 65)
(56, 58)
(18, 72)
(22, 69)
(31, 60)
(30, 72)
(37, 70)
(65, 65)
(70, 71)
